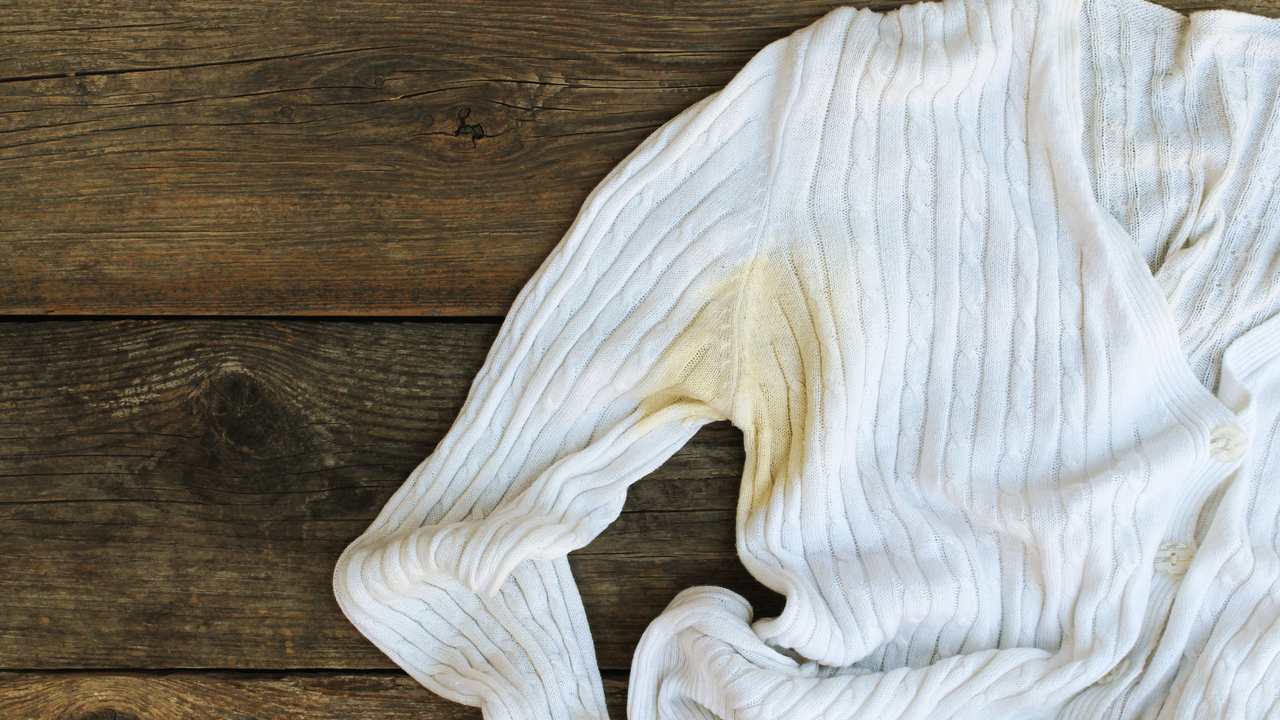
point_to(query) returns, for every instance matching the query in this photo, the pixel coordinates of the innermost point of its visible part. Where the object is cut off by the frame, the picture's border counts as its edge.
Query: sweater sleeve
(615, 353)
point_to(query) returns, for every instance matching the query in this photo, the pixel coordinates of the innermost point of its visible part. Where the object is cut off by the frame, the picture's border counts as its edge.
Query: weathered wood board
(370, 157)
(367, 158)
(219, 696)
(175, 493)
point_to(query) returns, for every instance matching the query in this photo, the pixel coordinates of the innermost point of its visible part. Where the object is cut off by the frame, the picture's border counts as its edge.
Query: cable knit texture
(991, 289)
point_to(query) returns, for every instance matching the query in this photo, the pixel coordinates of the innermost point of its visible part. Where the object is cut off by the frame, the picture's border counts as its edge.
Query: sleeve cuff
(524, 653)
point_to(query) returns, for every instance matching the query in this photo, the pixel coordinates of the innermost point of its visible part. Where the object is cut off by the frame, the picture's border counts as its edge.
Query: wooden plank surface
(217, 696)
(384, 157)
(242, 696)
(370, 157)
(175, 493)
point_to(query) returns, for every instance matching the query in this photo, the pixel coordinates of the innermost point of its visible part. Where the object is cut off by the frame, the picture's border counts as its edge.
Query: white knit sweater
(991, 289)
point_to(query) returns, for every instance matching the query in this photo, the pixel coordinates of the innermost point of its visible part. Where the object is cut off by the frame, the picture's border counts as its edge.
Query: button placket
(1228, 443)
(1173, 558)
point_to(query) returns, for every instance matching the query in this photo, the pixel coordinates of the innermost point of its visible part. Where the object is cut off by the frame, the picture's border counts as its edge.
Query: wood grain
(370, 157)
(175, 493)
(241, 696)
(350, 158)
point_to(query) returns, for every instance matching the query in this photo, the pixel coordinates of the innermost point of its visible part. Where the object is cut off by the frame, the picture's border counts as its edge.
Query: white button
(1173, 558)
(1227, 443)
(1116, 672)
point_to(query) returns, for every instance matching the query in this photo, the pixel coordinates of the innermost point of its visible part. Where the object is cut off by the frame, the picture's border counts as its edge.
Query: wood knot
(107, 714)
(475, 131)
(246, 413)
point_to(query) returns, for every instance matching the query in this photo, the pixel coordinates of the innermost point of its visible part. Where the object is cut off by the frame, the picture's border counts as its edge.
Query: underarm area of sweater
(694, 375)
(685, 383)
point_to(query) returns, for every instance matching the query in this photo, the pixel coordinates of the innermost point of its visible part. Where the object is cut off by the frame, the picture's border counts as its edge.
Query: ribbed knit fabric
(991, 289)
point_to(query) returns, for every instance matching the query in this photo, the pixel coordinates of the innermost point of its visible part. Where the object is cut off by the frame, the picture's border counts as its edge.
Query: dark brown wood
(368, 158)
(175, 493)
(218, 696)
(1267, 8)
(350, 158)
